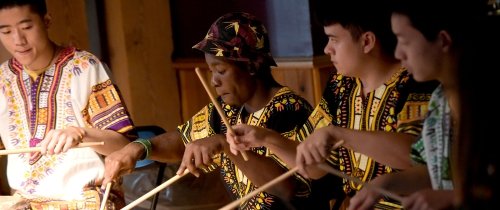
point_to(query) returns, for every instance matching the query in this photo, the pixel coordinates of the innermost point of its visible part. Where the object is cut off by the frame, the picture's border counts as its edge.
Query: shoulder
(82, 57)
(80, 62)
(9, 71)
(414, 90)
(287, 99)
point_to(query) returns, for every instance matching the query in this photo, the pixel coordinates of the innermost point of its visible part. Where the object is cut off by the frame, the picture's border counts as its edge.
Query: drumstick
(105, 197)
(289, 173)
(38, 149)
(218, 107)
(280, 178)
(383, 191)
(155, 190)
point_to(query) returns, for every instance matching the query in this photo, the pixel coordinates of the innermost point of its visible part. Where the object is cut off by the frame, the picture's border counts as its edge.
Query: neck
(264, 92)
(44, 63)
(378, 73)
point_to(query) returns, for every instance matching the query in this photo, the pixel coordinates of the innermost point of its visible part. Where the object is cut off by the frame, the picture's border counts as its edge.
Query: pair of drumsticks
(292, 171)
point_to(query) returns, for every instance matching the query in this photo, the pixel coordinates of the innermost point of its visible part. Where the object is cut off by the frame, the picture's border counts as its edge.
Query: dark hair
(37, 6)
(358, 17)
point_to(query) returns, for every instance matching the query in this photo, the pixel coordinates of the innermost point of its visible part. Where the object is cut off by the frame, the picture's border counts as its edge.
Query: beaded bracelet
(148, 147)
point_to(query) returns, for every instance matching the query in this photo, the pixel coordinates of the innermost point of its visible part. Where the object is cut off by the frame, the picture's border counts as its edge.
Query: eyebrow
(20, 22)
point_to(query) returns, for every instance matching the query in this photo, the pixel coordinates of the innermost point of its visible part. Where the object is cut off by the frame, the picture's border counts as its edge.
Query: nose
(399, 54)
(215, 80)
(19, 37)
(328, 49)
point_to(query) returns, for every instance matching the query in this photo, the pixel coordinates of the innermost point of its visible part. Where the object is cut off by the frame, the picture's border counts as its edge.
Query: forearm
(389, 148)
(268, 170)
(167, 147)
(113, 141)
(285, 149)
(407, 181)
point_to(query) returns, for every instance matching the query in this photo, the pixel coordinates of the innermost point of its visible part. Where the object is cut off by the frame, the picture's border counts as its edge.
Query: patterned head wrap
(238, 36)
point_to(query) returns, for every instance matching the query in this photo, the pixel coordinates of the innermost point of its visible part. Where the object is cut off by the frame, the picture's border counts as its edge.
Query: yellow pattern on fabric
(383, 109)
(200, 127)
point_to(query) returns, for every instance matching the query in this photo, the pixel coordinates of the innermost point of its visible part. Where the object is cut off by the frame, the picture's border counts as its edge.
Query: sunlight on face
(24, 34)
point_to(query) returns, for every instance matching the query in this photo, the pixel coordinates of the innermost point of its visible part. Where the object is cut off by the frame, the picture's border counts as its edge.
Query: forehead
(16, 14)
(401, 24)
(336, 30)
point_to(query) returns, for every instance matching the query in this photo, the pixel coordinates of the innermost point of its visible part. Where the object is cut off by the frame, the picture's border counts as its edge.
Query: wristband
(148, 147)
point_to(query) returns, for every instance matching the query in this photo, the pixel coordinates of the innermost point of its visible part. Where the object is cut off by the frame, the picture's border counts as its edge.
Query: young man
(55, 98)
(372, 103)
(434, 44)
(237, 52)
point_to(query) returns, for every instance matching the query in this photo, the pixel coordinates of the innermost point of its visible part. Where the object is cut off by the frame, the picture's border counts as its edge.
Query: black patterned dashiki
(399, 105)
(285, 113)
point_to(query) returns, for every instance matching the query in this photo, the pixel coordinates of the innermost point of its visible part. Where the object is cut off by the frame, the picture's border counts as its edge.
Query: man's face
(423, 58)
(236, 86)
(345, 52)
(24, 34)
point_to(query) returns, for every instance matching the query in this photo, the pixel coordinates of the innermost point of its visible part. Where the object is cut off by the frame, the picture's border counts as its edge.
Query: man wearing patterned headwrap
(237, 52)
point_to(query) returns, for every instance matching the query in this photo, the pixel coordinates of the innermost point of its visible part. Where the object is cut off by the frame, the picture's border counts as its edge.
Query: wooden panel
(192, 94)
(140, 44)
(69, 23)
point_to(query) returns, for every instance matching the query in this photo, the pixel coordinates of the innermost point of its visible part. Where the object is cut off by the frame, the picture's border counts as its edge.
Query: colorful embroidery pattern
(54, 100)
(284, 113)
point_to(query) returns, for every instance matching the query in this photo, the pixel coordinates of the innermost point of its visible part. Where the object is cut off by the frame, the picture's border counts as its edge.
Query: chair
(148, 132)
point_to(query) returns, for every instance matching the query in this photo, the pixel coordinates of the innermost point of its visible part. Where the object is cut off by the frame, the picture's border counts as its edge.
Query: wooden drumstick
(276, 180)
(38, 149)
(155, 190)
(105, 196)
(217, 106)
(383, 191)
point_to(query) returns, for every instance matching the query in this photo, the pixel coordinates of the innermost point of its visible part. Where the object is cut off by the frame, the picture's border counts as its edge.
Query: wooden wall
(139, 41)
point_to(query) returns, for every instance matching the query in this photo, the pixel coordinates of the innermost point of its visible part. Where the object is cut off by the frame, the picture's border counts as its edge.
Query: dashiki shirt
(284, 113)
(433, 148)
(399, 105)
(74, 91)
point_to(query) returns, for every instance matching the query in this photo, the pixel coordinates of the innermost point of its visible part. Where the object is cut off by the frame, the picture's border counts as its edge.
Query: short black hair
(37, 6)
(358, 17)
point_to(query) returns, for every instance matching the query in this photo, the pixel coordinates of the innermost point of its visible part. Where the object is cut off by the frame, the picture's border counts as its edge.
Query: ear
(368, 40)
(47, 20)
(252, 68)
(445, 40)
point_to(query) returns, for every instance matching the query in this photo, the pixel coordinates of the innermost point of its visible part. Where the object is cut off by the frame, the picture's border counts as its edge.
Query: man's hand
(199, 153)
(61, 140)
(122, 161)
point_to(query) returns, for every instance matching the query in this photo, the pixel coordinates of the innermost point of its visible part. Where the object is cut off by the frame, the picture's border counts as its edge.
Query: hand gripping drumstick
(38, 149)
(155, 190)
(105, 197)
(280, 178)
(218, 107)
(382, 191)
